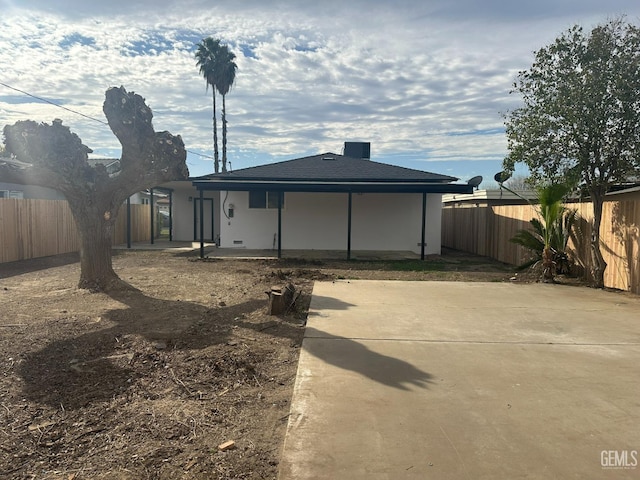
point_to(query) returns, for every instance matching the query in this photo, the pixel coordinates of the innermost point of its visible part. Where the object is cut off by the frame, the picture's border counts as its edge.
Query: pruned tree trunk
(96, 234)
(96, 268)
(598, 264)
(56, 158)
(280, 299)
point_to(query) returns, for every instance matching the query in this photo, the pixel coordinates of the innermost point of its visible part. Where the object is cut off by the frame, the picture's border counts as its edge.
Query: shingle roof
(330, 167)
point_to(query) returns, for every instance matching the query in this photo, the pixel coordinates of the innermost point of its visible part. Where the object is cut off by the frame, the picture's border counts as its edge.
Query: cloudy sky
(426, 82)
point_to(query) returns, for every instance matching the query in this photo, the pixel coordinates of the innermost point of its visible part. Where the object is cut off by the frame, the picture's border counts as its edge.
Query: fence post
(128, 222)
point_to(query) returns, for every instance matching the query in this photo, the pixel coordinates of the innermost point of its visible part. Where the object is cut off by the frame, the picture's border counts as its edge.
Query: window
(272, 199)
(264, 199)
(11, 194)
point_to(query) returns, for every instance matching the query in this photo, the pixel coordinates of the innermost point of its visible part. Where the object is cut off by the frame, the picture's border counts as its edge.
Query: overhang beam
(341, 187)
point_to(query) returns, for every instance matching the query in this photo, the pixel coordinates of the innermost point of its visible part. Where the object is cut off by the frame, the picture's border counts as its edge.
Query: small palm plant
(550, 232)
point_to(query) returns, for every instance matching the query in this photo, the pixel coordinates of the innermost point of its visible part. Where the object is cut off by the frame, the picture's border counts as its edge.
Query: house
(111, 165)
(488, 198)
(625, 192)
(14, 190)
(145, 197)
(322, 202)
(495, 197)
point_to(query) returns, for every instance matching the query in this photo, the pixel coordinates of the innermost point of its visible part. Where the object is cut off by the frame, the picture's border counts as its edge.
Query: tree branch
(148, 158)
(56, 156)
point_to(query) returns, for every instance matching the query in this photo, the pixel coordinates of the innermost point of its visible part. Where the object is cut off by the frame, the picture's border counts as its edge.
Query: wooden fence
(38, 228)
(486, 230)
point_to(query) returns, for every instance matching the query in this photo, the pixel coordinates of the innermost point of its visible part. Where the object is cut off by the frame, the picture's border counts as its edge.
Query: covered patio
(333, 197)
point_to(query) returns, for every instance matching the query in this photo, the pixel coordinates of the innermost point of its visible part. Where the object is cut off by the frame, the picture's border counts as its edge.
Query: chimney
(357, 150)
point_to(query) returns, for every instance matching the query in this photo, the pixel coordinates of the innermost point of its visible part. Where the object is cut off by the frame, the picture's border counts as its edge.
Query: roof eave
(436, 179)
(332, 186)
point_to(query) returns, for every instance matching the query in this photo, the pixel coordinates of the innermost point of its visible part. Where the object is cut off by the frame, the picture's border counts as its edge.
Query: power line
(81, 114)
(54, 104)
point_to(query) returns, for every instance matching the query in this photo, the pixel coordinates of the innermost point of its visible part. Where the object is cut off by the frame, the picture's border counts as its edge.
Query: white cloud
(428, 80)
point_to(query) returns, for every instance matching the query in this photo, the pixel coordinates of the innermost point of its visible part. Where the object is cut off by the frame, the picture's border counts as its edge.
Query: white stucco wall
(182, 215)
(249, 228)
(390, 221)
(136, 198)
(315, 221)
(32, 191)
(319, 221)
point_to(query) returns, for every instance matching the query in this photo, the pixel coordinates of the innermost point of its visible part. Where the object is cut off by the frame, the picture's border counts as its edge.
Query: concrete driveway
(449, 380)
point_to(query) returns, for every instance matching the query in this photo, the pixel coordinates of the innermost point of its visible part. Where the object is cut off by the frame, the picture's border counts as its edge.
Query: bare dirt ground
(148, 384)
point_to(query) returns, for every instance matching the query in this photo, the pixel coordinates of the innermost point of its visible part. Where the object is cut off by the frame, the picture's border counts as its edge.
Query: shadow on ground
(322, 302)
(352, 355)
(20, 267)
(98, 365)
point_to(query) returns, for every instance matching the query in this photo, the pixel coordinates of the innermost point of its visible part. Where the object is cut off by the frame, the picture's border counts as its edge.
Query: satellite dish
(475, 181)
(502, 177)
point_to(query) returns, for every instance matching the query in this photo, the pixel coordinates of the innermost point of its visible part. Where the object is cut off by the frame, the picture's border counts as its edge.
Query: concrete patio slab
(450, 380)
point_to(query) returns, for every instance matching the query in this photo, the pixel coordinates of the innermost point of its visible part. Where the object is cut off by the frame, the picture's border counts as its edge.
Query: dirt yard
(148, 384)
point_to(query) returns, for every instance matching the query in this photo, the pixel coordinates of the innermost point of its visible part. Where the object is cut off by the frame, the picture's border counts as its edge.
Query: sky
(426, 82)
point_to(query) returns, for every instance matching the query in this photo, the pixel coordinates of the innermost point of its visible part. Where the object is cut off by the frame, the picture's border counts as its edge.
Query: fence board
(32, 228)
(486, 230)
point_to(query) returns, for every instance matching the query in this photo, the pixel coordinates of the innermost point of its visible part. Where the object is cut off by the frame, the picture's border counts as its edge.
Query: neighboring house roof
(330, 172)
(505, 197)
(626, 190)
(158, 192)
(112, 165)
(12, 162)
(492, 196)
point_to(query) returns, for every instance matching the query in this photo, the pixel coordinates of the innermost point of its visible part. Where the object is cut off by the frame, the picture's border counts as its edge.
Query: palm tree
(550, 235)
(218, 68)
(207, 57)
(551, 211)
(225, 77)
(533, 240)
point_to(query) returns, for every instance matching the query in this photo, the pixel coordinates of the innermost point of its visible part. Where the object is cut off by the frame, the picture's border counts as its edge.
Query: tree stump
(280, 299)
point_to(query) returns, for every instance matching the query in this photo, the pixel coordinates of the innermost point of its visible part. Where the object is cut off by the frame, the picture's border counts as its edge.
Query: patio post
(128, 222)
(171, 215)
(201, 223)
(213, 218)
(151, 211)
(279, 224)
(424, 223)
(349, 226)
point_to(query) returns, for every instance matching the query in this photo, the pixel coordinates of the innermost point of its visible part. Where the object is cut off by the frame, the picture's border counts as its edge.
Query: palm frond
(550, 231)
(529, 240)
